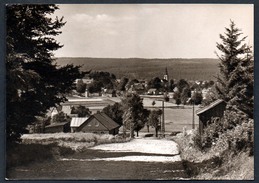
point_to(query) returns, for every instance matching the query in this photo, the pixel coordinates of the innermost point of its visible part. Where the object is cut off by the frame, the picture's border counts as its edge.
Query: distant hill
(191, 69)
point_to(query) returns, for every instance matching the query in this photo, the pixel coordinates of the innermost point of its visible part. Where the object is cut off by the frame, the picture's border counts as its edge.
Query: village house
(85, 80)
(137, 88)
(96, 123)
(153, 91)
(206, 114)
(57, 127)
(170, 95)
(109, 93)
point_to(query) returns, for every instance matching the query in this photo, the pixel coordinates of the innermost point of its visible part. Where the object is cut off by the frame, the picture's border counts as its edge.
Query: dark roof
(106, 121)
(210, 106)
(56, 124)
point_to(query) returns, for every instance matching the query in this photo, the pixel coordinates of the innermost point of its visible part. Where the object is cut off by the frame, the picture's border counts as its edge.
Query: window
(96, 123)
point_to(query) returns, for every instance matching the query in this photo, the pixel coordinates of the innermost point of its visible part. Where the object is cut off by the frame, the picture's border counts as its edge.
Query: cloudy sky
(149, 30)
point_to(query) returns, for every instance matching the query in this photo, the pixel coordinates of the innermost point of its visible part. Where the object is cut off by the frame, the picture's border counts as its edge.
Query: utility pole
(193, 125)
(163, 119)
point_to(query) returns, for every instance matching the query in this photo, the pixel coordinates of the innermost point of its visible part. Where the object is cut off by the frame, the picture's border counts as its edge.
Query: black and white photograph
(129, 91)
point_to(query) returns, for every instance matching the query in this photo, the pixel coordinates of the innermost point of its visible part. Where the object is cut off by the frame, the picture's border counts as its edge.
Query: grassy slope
(211, 165)
(191, 69)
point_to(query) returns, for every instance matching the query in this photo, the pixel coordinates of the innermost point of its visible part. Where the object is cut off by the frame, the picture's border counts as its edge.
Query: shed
(215, 109)
(57, 127)
(99, 123)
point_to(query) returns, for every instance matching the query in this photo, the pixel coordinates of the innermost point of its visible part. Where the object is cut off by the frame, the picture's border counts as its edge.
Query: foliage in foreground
(229, 140)
(235, 131)
(34, 81)
(216, 162)
(41, 147)
(235, 83)
(22, 154)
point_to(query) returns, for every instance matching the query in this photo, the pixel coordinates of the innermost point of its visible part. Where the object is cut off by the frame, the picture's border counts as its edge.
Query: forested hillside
(191, 69)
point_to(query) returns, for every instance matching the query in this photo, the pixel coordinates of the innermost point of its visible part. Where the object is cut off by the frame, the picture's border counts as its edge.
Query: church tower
(166, 77)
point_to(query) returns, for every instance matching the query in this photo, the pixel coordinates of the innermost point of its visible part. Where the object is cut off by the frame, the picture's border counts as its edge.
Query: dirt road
(140, 159)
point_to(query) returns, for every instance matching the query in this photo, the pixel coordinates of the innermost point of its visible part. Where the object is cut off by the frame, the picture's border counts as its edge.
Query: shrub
(197, 140)
(235, 132)
(242, 137)
(210, 134)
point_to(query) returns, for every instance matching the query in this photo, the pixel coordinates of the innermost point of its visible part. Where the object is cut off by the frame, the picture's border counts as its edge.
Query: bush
(210, 135)
(241, 138)
(234, 132)
(197, 140)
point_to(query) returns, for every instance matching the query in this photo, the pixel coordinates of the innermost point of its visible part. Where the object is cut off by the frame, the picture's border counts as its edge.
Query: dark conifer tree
(34, 81)
(236, 79)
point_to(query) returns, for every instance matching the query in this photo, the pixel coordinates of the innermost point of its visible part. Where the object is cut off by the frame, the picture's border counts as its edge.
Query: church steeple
(166, 77)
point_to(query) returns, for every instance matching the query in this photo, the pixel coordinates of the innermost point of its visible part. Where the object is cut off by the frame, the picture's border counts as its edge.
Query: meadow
(139, 68)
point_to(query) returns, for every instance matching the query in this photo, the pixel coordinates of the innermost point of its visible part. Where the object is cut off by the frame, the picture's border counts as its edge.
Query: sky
(149, 30)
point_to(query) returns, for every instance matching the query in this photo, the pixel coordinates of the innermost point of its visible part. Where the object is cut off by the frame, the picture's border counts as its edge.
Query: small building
(153, 91)
(57, 127)
(215, 109)
(99, 123)
(109, 93)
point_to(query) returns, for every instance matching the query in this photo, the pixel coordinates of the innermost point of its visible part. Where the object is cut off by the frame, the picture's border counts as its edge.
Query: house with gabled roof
(206, 114)
(137, 88)
(96, 123)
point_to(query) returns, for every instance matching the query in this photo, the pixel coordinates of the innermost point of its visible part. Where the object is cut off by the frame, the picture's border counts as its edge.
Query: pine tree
(34, 81)
(236, 80)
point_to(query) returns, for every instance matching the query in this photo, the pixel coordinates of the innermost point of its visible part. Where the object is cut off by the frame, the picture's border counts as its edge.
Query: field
(176, 117)
(191, 69)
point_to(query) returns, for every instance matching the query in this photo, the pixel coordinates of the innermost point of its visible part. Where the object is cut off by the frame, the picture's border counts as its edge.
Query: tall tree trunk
(137, 133)
(156, 132)
(148, 128)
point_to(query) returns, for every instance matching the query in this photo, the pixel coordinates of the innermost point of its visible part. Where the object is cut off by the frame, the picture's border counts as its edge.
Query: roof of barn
(78, 121)
(56, 124)
(210, 106)
(106, 121)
